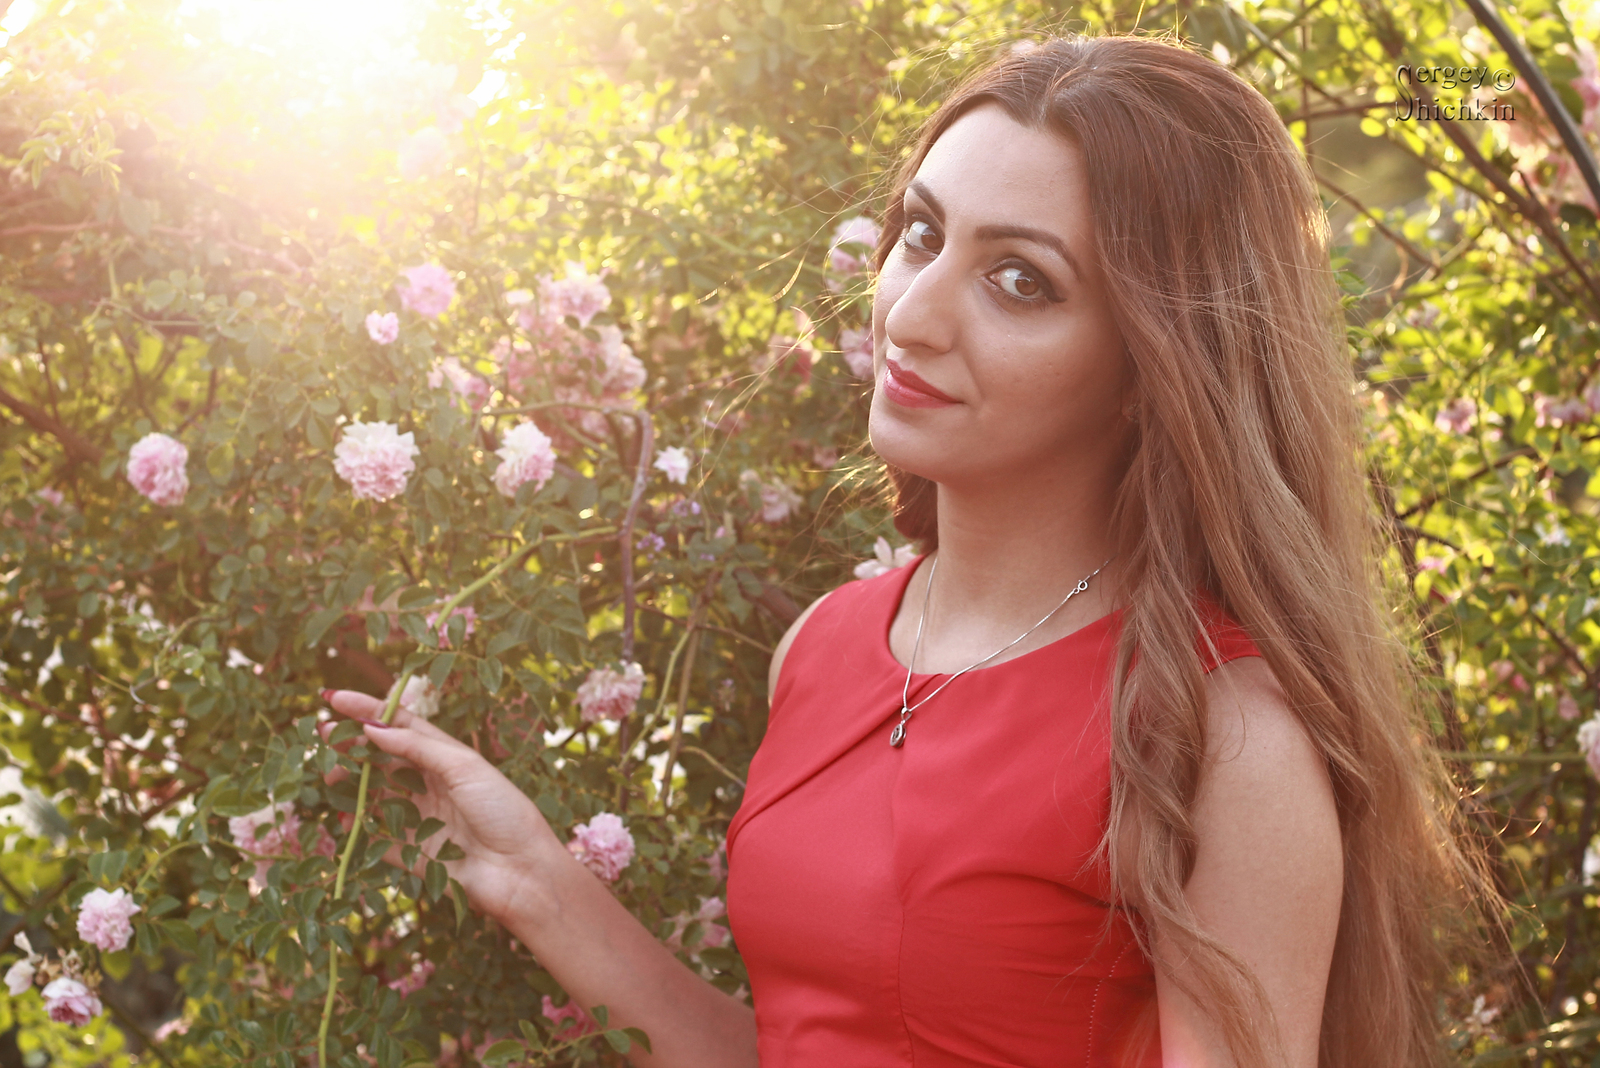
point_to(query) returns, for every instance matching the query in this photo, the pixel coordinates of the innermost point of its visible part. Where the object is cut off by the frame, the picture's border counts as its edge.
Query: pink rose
(469, 617)
(375, 458)
(572, 1022)
(70, 1002)
(429, 290)
(853, 242)
(414, 980)
(674, 463)
(465, 384)
(103, 919)
(1567, 706)
(156, 466)
(608, 694)
(525, 456)
(603, 845)
(778, 501)
(1559, 411)
(383, 327)
(856, 347)
(580, 294)
(1457, 416)
(267, 833)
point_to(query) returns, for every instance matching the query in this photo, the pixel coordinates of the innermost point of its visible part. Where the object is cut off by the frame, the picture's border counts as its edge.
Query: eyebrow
(997, 232)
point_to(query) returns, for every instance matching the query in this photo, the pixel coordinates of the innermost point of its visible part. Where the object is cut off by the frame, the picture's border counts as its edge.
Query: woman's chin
(902, 450)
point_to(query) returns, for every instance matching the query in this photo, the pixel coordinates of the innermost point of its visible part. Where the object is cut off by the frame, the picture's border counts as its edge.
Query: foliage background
(197, 219)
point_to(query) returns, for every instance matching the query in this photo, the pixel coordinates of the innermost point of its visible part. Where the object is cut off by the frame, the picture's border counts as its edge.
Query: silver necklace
(897, 737)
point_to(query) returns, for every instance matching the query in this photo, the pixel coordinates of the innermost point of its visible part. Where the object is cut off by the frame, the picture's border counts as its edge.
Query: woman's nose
(924, 315)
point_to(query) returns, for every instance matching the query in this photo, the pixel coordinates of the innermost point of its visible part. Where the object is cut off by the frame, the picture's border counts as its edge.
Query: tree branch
(76, 445)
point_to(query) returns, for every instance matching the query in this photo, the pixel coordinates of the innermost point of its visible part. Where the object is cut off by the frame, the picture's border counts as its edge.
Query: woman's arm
(1269, 872)
(518, 872)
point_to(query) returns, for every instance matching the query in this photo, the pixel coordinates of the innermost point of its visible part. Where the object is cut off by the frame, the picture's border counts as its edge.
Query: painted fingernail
(327, 695)
(372, 722)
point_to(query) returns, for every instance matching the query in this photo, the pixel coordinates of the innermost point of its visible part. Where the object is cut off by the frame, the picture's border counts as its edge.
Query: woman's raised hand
(508, 844)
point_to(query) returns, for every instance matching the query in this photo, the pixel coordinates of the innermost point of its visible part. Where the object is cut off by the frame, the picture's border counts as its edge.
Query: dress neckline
(904, 582)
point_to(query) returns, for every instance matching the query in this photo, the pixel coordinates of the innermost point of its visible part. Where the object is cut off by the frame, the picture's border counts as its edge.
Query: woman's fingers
(358, 705)
(424, 746)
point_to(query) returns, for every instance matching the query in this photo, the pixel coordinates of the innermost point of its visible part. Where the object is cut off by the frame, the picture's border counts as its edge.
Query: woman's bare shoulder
(788, 639)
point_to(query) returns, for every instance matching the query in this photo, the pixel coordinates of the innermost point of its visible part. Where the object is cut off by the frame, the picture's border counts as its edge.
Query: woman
(1120, 772)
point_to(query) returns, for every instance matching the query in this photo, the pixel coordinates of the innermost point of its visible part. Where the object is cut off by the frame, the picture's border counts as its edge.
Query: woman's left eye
(1019, 283)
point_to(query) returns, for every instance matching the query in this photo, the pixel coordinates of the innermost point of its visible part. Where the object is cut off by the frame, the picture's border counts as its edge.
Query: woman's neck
(1008, 553)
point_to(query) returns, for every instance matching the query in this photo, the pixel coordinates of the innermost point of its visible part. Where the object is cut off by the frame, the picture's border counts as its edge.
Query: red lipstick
(910, 390)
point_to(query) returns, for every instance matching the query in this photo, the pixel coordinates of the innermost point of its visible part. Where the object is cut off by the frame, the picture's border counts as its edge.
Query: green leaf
(450, 851)
(458, 896)
(601, 1014)
(319, 623)
(491, 673)
(502, 1052)
(434, 879)
(219, 461)
(428, 829)
(161, 906)
(440, 669)
(158, 293)
(639, 1037)
(503, 641)
(619, 1041)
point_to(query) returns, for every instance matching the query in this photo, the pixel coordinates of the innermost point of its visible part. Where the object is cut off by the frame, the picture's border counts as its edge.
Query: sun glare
(339, 32)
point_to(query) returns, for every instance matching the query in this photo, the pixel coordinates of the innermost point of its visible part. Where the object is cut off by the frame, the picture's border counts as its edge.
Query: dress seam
(1094, 1009)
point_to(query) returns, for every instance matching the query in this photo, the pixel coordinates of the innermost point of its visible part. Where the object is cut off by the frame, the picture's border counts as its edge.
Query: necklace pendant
(897, 737)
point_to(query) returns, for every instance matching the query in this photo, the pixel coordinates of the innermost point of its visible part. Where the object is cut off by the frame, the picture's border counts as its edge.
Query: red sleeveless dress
(938, 905)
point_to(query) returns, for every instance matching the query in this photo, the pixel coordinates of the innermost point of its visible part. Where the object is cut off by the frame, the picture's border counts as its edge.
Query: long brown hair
(1245, 479)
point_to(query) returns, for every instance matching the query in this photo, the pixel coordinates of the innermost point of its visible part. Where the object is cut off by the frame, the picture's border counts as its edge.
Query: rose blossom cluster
(603, 845)
(608, 694)
(1565, 411)
(67, 995)
(273, 832)
(474, 389)
(157, 468)
(885, 559)
(712, 934)
(376, 459)
(590, 365)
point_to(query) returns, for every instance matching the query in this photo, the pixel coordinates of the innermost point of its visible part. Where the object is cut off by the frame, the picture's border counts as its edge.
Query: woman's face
(997, 354)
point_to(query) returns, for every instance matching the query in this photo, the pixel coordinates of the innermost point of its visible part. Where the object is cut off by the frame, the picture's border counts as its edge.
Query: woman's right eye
(922, 236)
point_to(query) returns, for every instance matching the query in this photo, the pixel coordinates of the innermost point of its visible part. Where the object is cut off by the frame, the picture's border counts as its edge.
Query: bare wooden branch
(78, 447)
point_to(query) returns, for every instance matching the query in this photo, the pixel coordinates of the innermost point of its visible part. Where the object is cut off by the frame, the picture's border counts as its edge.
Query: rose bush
(542, 411)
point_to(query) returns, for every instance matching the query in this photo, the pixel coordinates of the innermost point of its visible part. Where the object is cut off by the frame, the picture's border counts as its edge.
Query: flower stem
(350, 847)
(445, 611)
